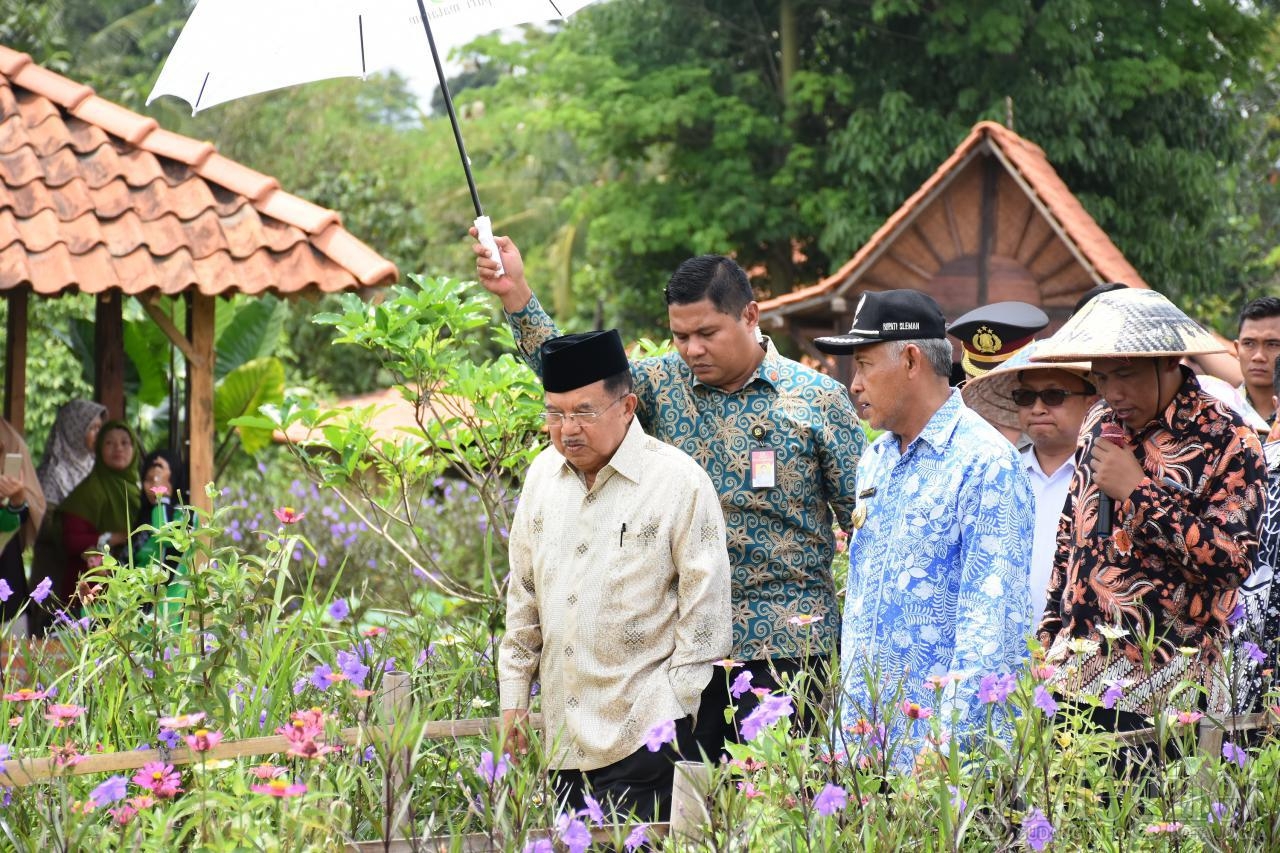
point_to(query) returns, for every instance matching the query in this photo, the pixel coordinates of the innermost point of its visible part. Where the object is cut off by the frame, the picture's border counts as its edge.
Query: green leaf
(242, 392)
(252, 331)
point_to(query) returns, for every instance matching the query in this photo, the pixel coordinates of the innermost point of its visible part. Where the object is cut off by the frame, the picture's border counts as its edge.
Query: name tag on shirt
(764, 469)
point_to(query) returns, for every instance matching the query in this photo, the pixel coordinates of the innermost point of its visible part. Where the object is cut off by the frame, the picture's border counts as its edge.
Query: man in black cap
(781, 444)
(618, 600)
(939, 566)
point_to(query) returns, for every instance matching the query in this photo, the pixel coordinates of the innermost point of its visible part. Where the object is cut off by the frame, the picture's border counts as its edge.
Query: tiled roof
(1033, 167)
(95, 197)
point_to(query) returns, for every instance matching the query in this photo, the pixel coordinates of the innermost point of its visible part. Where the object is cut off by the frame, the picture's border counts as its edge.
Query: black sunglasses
(1024, 397)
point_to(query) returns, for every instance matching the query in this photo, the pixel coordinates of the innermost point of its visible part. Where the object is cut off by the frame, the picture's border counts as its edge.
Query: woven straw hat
(989, 394)
(1127, 323)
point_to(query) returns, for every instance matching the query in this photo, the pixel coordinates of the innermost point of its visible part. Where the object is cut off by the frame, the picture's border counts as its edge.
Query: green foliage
(686, 138)
(474, 420)
(244, 390)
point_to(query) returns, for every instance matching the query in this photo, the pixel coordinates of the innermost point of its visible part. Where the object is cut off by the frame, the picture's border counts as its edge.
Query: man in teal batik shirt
(780, 442)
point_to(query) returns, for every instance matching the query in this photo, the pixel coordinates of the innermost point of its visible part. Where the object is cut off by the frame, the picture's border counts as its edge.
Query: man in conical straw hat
(1160, 524)
(1047, 403)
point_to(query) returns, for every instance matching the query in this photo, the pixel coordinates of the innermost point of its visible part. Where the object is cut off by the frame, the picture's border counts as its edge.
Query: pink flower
(122, 814)
(375, 631)
(203, 740)
(913, 711)
(938, 682)
(66, 755)
(1168, 828)
(288, 515)
(728, 663)
(749, 790)
(280, 787)
(62, 715)
(804, 620)
(159, 490)
(1043, 672)
(181, 721)
(266, 771)
(26, 694)
(1185, 718)
(160, 779)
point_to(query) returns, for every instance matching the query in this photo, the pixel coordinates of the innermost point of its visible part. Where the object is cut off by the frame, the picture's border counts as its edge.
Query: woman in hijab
(22, 508)
(68, 456)
(100, 512)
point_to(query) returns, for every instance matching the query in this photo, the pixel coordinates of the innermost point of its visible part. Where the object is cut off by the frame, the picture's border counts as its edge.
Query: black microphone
(1114, 433)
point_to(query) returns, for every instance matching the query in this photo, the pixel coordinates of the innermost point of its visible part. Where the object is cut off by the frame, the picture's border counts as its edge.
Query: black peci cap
(572, 361)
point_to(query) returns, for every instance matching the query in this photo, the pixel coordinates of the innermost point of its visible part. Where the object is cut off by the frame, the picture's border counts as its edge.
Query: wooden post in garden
(15, 360)
(200, 425)
(394, 705)
(690, 788)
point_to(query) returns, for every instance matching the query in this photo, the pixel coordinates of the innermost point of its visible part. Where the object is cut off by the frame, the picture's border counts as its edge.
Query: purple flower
(352, 667)
(771, 709)
(1217, 810)
(1233, 753)
(339, 610)
(995, 689)
(368, 755)
(573, 833)
(110, 791)
(1113, 694)
(41, 592)
(658, 735)
(169, 738)
(638, 838)
(490, 771)
(299, 686)
(5, 590)
(320, 677)
(1037, 830)
(542, 845)
(830, 800)
(1044, 701)
(958, 802)
(4, 752)
(741, 684)
(593, 810)
(1237, 613)
(1251, 649)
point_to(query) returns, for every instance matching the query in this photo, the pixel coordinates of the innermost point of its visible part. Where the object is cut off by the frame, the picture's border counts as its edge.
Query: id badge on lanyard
(764, 461)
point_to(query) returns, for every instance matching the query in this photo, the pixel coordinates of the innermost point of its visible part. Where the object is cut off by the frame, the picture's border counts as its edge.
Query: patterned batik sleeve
(841, 442)
(1219, 547)
(993, 608)
(532, 327)
(521, 648)
(704, 627)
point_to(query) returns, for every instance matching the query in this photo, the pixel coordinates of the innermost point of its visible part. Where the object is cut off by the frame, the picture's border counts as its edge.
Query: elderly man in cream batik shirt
(618, 600)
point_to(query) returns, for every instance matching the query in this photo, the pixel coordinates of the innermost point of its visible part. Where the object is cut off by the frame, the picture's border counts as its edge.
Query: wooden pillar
(15, 359)
(987, 225)
(200, 330)
(108, 347)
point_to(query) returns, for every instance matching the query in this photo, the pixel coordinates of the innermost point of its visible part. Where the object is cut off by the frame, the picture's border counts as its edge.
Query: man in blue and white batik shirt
(938, 592)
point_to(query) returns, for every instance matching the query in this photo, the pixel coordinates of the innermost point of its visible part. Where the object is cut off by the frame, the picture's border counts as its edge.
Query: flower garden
(344, 603)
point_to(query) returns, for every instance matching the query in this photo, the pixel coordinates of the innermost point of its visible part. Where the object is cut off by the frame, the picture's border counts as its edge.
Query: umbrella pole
(448, 105)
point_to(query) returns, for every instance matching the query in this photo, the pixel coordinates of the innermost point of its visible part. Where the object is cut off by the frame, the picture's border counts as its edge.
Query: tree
(786, 132)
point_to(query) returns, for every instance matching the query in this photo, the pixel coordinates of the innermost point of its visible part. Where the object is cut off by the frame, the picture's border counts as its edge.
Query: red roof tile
(1031, 164)
(94, 196)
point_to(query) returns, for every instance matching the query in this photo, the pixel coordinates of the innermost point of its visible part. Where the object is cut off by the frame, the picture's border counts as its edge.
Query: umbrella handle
(484, 233)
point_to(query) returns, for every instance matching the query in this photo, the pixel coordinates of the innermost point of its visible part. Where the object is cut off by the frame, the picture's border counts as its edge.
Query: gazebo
(95, 198)
(993, 223)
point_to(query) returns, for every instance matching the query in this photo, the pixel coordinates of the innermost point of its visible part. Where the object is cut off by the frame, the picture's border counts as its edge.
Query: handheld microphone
(1114, 433)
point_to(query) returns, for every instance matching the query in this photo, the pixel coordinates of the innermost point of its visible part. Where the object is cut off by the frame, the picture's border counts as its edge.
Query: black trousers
(712, 732)
(638, 784)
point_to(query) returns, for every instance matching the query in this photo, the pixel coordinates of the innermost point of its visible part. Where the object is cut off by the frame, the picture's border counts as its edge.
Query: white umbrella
(233, 48)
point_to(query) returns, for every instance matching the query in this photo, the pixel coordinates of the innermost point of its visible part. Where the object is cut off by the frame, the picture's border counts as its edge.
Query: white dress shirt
(1051, 496)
